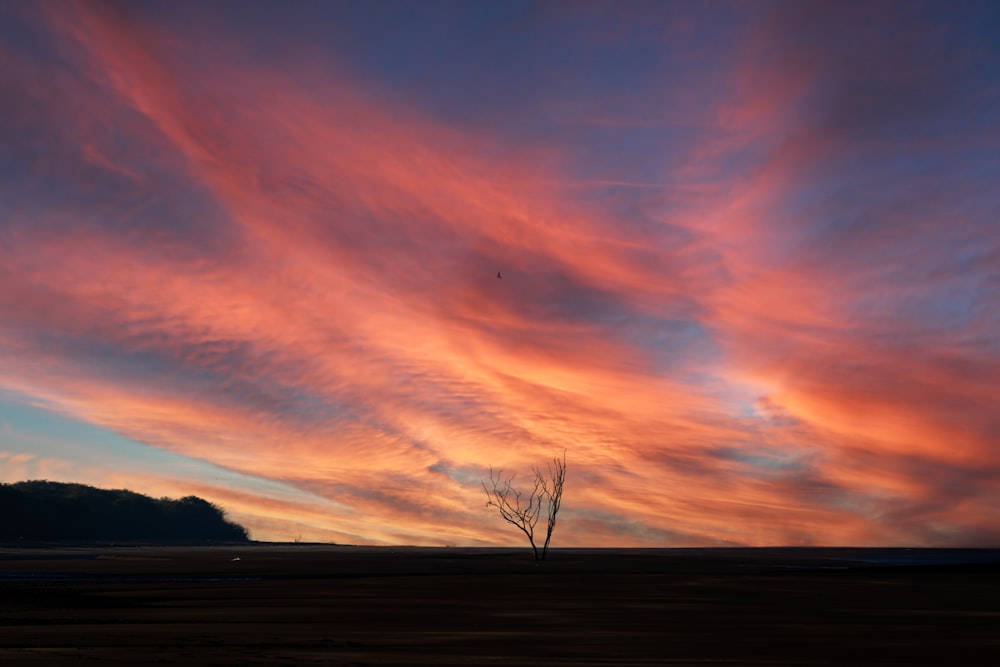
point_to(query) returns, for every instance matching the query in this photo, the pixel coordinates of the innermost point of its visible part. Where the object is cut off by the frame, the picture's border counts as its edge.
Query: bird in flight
(499, 276)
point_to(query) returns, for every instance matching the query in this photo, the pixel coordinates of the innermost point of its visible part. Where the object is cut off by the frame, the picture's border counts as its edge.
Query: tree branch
(525, 513)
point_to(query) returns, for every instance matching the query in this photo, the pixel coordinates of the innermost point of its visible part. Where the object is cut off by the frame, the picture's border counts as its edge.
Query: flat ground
(331, 605)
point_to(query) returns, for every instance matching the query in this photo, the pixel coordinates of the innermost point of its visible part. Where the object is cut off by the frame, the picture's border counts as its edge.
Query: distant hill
(54, 511)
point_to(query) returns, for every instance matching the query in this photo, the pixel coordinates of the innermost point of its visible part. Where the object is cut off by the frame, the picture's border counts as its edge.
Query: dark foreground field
(325, 605)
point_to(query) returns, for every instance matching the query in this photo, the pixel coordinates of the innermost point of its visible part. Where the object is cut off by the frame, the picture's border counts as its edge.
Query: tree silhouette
(54, 511)
(523, 511)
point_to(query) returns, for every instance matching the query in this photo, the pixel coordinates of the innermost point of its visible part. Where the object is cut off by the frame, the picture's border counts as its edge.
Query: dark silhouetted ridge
(54, 511)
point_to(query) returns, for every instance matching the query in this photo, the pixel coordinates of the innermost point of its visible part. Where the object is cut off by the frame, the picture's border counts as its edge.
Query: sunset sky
(750, 259)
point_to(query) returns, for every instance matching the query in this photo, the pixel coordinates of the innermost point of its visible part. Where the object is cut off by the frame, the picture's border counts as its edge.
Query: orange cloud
(285, 271)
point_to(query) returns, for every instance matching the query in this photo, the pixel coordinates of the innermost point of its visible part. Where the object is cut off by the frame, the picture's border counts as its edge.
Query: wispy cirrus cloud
(268, 262)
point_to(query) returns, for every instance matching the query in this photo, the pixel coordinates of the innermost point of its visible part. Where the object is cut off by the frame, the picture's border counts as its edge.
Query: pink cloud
(314, 301)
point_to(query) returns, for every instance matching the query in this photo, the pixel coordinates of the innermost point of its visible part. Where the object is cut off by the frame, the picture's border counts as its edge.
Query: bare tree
(524, 510)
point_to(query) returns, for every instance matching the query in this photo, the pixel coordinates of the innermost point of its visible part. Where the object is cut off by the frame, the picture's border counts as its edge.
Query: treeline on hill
(54, 511)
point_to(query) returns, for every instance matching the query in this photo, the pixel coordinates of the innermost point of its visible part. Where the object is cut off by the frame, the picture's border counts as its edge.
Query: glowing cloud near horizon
(760, 306)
